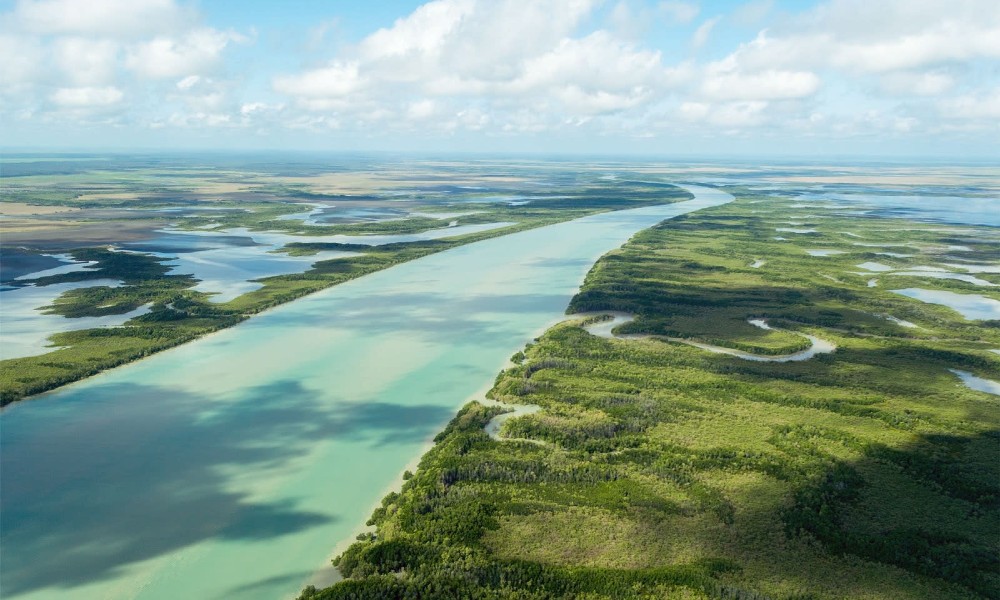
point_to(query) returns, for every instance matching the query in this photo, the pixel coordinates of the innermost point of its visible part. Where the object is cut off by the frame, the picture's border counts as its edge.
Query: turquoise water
(232, 466)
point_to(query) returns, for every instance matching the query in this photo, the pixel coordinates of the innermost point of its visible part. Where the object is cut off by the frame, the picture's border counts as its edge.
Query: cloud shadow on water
(135, 472)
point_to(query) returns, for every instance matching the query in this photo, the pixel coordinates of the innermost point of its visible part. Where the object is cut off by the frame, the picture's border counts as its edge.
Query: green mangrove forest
(655, 469)
(179, 314)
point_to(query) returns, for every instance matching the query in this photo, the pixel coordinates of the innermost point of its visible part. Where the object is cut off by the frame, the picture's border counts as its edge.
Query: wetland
(725, 412)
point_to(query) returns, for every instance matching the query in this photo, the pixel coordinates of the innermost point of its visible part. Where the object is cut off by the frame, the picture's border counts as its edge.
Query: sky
(888, 78)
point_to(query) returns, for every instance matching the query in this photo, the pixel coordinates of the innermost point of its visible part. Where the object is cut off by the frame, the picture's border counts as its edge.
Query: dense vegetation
(178, 314)
(659, 470)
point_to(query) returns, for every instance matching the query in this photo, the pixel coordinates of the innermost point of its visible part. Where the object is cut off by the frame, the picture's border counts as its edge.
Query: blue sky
(662, 77)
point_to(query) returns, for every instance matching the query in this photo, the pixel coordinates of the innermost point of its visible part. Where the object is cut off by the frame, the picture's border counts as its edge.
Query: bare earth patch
(17, 209)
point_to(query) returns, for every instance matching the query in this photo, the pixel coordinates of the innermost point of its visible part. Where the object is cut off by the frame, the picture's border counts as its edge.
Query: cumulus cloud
(458, 54)
(29, 54)
(917, 83)
(907, 50)
(519, 67)
(337, 80)
(730, 84)
(87, 97)
(86, 61)
(983, 106)
(110, 18)
(860, 37)
(73, 58)
(195, 52)
(532, 65)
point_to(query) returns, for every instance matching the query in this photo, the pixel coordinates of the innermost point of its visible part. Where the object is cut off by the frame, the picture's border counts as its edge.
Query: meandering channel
(604, 329)
(230, 466)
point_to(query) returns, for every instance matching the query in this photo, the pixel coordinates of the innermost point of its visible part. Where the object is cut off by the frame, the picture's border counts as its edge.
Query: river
(231, 466)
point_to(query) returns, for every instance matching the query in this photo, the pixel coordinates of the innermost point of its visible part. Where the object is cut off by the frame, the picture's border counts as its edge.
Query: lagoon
(231, 466)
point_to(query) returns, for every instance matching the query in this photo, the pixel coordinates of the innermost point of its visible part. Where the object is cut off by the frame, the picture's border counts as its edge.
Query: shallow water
(824, 252)
(228, 262)
(492, 428)
(939, 275)
(603, 328)
(70, 266)
(973, 268)
(874, 267)
(231, 466)
(276, 239)
(978, 383)
(970, 306)
(946, 209)
(25, 329)
(230, 271)
(324, 214)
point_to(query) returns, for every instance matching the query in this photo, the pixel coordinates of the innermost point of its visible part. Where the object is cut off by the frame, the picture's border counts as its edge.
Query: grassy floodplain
(660, 470)
(113, 201)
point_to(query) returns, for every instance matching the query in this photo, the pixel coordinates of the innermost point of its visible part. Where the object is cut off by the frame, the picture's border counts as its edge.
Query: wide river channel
(231, 466)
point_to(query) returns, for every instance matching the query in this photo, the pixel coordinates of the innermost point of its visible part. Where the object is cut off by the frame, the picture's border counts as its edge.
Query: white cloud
(115, 18)
(23, 59)
(511, 67)
(704, 30)
(863, 37)
(200, 120)
(421, 110)
(727, 84)
(752, 12)
(196, 52)
(204, 95)
(86, 61)
(984, 107)
(729, 115)
(188, 82)
(421, 33)
(679, 12)
(475, 40)
(595, 62)
(582, 103)
(87, 97)
(335, 81)
(503, 54)
(630, 22)
(917, 83)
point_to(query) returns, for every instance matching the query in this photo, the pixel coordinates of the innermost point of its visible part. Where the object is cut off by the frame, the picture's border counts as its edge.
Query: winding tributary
(603, 328)
(229, 467)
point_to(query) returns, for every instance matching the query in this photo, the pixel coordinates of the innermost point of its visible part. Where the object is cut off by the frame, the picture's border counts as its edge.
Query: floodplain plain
(641, 462)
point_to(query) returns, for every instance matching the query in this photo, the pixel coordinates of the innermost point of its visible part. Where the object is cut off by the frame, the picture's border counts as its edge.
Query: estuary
(225, 467)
